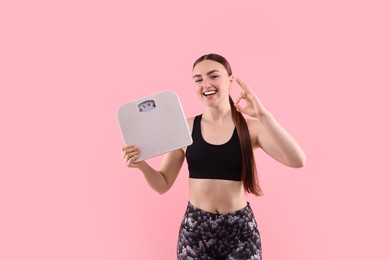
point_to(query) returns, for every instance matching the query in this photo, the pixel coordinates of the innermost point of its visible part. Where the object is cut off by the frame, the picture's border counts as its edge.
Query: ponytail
(249, 172)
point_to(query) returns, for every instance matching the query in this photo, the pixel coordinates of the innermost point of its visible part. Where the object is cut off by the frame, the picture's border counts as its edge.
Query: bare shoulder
(253, 123)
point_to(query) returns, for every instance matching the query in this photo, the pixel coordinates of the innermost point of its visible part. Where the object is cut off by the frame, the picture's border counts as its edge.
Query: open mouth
(209, 93)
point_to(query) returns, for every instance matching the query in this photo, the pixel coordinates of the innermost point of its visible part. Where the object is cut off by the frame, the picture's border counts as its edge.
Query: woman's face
(212, 82)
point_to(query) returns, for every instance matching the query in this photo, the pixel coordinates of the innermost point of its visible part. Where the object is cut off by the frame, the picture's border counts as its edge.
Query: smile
(209, 93)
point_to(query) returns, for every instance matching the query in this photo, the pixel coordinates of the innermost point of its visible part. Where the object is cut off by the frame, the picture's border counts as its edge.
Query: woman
(219, 222)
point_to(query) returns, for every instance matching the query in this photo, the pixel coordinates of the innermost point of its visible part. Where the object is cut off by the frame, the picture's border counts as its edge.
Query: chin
(210, 103)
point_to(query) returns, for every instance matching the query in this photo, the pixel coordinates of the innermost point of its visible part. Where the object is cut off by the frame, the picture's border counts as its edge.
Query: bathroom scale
(155, 124)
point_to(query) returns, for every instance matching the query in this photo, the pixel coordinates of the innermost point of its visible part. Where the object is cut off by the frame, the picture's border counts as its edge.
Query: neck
(218, 113)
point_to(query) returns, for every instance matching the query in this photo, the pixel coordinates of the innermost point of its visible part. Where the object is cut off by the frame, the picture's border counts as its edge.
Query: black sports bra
(209, 161)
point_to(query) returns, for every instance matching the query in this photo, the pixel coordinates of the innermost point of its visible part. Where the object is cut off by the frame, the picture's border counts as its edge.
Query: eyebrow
(208, 73)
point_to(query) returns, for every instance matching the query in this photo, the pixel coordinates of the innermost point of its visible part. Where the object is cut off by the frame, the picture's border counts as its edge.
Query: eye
(198, 80)
(214, 76)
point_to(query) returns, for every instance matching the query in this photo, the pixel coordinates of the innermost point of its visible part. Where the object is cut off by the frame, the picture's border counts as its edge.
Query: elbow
(162, 191)
(299, 162)
(164, 186)
(298, 165)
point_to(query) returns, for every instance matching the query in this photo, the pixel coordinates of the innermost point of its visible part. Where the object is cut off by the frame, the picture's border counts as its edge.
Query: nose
(206, 83)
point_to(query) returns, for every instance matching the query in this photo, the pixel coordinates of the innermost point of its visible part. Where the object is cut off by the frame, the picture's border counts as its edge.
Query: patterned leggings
(205, 235)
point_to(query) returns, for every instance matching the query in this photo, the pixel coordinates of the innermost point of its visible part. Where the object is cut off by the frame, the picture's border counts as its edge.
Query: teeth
(209, 93)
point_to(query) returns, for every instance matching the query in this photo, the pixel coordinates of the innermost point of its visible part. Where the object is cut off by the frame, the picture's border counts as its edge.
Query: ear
(231, 80)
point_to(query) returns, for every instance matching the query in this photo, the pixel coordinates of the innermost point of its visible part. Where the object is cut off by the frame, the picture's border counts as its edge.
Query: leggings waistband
(193, 209)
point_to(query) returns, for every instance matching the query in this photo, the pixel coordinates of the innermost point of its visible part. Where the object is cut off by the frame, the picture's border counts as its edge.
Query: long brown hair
(249, 172)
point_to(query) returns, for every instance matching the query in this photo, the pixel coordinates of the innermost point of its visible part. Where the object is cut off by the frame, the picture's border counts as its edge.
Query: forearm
(289, 151)
(155, 179)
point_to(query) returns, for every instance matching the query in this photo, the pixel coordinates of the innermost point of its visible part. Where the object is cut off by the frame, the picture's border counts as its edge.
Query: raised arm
(161, 180)
(276, 141)
(268, 133)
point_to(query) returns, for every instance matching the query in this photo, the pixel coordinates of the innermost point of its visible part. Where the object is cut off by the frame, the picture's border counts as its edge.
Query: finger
(131, 162)
(126, 159)
(126, 152)
(132, 149)
(132, 154)
(128, 146)
(125, 156)
(238, 107)
(244, 86)
(241, 96)
(128, 156)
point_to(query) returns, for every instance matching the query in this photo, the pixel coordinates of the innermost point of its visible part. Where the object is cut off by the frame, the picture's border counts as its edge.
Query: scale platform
(155, 124)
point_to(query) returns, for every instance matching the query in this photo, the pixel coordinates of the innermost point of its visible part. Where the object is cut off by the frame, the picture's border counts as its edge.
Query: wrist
(141, 165)
(264, 116)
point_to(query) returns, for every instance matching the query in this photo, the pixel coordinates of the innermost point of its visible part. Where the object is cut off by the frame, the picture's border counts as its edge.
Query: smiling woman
(219, 222)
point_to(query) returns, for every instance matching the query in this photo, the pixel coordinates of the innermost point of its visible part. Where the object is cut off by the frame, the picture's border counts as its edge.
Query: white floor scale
(155, 124)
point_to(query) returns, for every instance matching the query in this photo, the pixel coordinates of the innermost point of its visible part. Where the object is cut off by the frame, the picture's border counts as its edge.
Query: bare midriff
(217, 196)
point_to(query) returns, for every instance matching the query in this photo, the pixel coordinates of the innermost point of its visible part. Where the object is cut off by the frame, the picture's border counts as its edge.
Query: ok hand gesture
(253, 106)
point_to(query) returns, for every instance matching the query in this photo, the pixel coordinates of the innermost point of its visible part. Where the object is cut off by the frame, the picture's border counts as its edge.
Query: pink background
(321, 67)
